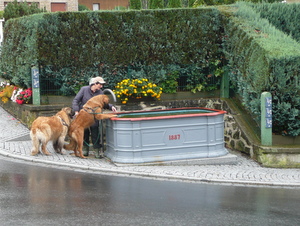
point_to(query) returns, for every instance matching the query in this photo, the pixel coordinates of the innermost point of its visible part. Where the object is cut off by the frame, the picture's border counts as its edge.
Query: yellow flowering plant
(6, 91)
(137, 89)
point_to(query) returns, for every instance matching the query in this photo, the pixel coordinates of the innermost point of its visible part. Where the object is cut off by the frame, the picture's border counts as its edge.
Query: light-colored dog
(86, 117)
(54, 128)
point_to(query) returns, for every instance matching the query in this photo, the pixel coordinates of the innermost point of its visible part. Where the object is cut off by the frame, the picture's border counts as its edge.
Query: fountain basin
(160, 136)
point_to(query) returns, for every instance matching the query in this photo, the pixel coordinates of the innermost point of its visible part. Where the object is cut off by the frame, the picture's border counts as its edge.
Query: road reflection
(52, 196)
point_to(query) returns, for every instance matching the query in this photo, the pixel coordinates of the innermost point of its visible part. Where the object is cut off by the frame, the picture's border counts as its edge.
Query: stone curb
(148, 175)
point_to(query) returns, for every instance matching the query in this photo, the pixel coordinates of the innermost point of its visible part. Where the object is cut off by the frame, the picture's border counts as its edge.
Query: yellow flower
(4, 99)
(136, 88)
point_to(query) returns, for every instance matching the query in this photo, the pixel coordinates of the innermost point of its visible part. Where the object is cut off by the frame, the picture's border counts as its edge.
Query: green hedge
(162, 45)
(264, 59)
(20, 49)
(73, 46)
(284, 17)
(150, 37)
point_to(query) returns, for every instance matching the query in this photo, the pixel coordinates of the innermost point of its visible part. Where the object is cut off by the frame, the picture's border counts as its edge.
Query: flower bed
(137, 89)
(15, 93)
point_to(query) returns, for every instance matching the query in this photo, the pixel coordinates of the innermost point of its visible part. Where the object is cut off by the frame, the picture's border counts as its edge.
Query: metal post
(225, 85)
(266, 118)
(35, 77)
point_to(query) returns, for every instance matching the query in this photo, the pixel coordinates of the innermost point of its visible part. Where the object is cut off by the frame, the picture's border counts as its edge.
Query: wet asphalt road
(41, 195)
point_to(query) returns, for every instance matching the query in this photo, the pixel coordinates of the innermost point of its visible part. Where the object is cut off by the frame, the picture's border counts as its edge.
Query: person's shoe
(98, 153)
(85, 151)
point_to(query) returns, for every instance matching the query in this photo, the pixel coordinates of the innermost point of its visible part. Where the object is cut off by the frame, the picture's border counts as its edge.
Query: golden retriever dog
(86, 117)
(54, 128)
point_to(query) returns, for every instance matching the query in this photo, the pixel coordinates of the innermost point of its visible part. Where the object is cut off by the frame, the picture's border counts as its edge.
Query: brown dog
(86, 117)
(54, 128)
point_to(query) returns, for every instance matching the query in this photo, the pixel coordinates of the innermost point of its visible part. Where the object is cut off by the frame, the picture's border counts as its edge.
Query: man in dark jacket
(84, 94)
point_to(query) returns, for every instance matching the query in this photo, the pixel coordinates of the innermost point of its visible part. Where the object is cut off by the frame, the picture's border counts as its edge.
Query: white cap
(95, 80)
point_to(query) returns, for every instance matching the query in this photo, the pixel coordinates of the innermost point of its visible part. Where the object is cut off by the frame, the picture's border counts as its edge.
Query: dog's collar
(63, 122)
(91, 110)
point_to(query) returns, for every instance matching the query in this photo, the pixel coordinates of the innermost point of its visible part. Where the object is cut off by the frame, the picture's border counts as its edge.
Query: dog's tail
(35, 142)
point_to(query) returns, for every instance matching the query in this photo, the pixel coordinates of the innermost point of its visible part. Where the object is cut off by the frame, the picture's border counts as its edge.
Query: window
(96, 6)
(58, 7)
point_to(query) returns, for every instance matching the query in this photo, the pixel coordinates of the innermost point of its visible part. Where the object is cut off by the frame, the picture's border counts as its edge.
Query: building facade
(103, 4)
(49, 5)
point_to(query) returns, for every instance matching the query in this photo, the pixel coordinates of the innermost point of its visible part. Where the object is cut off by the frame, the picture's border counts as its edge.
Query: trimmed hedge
(20, 49)
(265, 59)
(284, 17)
(73, 46)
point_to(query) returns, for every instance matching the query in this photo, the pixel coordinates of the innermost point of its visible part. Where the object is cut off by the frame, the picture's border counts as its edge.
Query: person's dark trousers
(93, 132)
(95, 135)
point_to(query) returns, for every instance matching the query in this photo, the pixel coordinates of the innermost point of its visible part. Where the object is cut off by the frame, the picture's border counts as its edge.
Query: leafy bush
(174, 4)
(135, 4)
(83, 8)
(169, 83)
(156, 4)
(18, 9)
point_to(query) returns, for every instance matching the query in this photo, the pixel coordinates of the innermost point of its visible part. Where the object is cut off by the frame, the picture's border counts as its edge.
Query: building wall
(104, 4)
(71, 5)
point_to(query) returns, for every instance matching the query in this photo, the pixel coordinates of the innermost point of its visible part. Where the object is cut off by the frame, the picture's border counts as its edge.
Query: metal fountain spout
(111, 92)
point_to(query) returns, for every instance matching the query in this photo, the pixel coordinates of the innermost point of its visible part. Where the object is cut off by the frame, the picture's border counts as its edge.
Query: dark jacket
(84, 94)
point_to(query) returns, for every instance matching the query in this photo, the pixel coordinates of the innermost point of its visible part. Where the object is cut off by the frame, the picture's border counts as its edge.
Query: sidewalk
(15, 143)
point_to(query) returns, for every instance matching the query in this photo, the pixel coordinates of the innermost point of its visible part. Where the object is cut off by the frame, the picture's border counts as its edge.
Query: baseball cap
(96, 80)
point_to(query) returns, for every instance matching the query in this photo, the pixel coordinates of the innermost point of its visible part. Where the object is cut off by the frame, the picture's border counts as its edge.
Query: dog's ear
(68, 110)
(105, 102)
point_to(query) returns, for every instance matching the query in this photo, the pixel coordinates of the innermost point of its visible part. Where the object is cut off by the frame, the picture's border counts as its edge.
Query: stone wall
(235, 138)
(27, 113)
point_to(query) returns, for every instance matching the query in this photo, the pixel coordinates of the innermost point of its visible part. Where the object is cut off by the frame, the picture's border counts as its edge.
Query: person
(85, 93)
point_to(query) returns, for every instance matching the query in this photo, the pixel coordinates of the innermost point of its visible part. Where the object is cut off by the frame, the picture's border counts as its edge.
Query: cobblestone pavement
(15, 143)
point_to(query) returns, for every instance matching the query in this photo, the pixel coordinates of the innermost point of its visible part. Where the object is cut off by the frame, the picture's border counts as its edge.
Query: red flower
(24, 96)
(19, 101)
